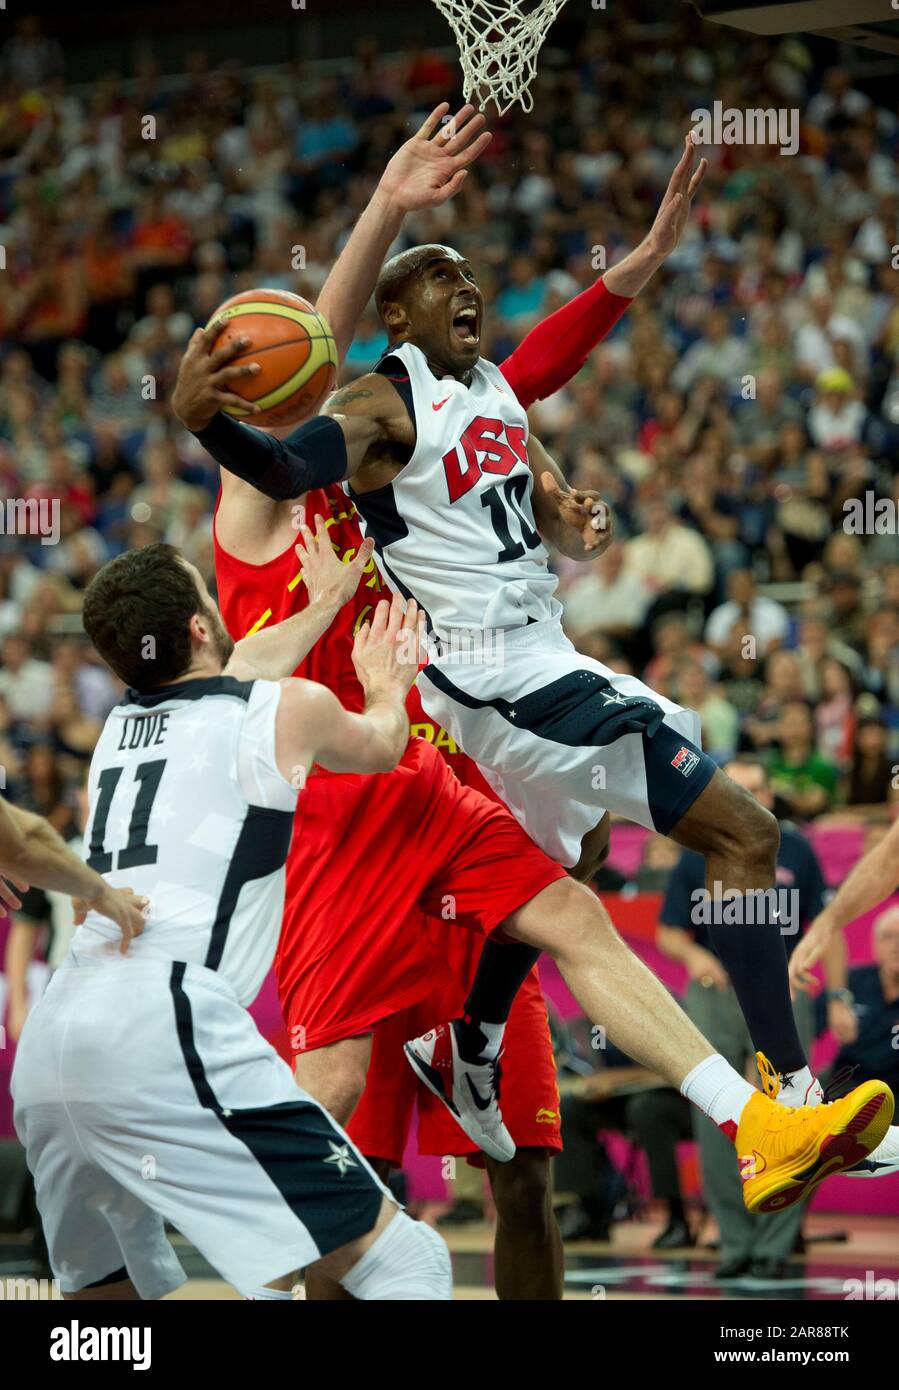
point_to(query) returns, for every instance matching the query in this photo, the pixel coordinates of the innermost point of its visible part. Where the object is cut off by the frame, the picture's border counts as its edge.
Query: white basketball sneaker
(470, 1091)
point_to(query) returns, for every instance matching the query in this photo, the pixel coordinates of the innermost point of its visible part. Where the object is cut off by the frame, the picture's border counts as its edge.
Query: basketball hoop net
(499, 41)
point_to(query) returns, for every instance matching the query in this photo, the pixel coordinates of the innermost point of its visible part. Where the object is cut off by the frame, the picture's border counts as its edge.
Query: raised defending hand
(387, 652)
(431, 167)
(328, 580)
(204, 375)
(585, 512)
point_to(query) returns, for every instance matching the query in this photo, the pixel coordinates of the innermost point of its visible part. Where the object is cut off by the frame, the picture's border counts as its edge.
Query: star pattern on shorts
(341, 1157)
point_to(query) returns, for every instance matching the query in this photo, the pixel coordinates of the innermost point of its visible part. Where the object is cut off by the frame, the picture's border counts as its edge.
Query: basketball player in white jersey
(143, 1091)
(435, 452)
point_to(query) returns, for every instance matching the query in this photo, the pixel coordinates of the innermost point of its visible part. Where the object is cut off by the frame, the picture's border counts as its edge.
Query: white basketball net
(499, 41)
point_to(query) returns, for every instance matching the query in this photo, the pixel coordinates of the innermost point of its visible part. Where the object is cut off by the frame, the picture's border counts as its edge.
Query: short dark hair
(137, 613)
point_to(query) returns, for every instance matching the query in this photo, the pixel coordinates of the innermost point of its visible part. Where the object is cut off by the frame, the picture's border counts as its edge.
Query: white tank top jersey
(188, 808)
(455, 528)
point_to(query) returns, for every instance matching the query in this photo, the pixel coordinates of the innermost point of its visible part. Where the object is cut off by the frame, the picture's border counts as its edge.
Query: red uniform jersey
(336, 980)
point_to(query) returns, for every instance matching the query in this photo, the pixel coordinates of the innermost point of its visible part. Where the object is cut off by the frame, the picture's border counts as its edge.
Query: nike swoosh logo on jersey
(476, 1096)
(440, 404)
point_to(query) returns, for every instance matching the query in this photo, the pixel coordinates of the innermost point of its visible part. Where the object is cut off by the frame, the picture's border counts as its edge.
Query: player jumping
(435, 449)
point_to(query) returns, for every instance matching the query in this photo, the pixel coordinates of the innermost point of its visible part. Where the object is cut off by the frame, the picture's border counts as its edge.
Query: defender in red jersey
(363, 945)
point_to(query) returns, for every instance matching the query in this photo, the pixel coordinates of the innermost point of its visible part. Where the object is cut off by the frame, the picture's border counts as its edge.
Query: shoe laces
(772, 1080)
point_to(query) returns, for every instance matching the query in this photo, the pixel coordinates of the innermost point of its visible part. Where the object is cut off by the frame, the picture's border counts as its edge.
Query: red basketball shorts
(371, 856)
(529, 1096)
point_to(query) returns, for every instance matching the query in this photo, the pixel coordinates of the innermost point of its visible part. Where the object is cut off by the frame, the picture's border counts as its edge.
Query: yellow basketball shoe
(784, 1153)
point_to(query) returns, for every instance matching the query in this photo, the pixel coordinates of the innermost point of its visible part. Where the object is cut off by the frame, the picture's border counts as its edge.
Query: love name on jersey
(488, 445)
(143, 730)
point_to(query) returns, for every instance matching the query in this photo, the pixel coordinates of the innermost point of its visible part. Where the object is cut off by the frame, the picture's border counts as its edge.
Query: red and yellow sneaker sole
(862, 1126)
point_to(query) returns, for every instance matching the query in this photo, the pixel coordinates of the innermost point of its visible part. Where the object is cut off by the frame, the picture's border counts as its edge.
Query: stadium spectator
(801, 778)
(762, 618)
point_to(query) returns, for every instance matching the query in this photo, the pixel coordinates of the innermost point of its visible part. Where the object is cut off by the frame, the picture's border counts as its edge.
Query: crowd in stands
(750, 391)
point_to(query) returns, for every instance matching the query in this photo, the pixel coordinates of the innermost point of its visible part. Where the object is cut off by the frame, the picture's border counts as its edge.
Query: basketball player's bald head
(428, 296)
(400, 269)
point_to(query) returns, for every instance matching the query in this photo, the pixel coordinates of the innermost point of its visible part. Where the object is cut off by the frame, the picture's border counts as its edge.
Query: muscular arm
(332, 447)
(313, 727)
(556, 349)
(275, 652)
(32, 851)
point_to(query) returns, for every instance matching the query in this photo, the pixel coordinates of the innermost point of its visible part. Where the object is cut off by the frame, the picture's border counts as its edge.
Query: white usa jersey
(455, 528)
(188, 808)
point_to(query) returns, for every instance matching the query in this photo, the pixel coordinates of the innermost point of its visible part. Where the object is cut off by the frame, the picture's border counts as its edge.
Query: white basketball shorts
(561, 738)
(144, 1093)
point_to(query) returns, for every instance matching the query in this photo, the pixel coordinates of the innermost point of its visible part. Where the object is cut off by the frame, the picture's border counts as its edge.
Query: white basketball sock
(799, 1088)
(717, 1090)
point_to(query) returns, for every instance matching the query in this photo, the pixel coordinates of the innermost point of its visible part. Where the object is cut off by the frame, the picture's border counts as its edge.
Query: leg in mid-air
(557, 734)
(739, 839)
(616, 990)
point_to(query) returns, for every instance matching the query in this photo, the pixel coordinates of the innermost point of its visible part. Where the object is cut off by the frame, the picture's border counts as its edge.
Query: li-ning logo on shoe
(685, 760)
(751, 1165)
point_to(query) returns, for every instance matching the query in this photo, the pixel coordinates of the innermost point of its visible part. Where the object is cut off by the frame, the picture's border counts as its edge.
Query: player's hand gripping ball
(292, 344)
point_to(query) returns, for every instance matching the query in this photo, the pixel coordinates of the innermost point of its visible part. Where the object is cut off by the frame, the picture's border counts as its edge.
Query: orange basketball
(294, 347)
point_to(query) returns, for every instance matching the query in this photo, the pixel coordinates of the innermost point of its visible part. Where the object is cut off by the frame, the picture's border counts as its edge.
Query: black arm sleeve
(313, 456)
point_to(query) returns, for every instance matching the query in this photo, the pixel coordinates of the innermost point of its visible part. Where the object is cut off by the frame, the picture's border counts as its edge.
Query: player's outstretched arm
(579, 524)
(426, 171)
(313, 726)
(332, 447)
(556, 349)
(275, 652)
(630, 275)
(31, 852)
(874, 878)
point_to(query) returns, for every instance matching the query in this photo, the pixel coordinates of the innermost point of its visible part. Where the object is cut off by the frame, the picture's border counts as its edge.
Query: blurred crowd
(749, 392)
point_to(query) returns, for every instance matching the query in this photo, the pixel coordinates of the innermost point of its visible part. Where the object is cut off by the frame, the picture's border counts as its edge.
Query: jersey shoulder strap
(259, 777)
(397, 373)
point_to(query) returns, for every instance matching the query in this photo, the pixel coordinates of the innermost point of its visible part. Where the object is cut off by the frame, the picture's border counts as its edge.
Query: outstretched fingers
(433, 122)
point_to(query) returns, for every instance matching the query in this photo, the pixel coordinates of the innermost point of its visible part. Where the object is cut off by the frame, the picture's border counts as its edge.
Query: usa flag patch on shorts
(685, 760)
